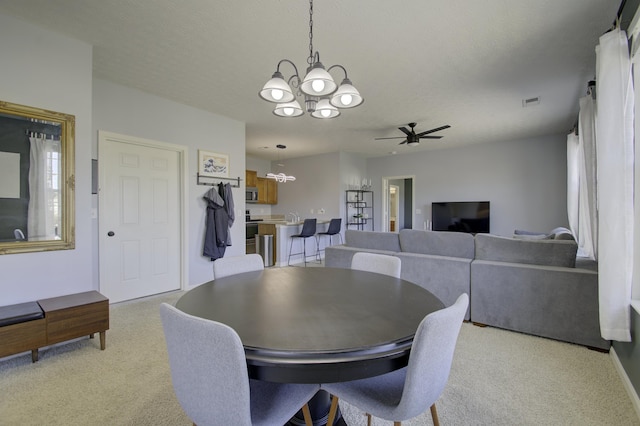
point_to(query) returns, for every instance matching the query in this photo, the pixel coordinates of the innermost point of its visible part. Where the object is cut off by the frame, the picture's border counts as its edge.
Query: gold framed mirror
(37, 179)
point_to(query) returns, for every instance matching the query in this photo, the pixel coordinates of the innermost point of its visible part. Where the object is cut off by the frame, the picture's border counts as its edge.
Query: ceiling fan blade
(397, 137)
(403, 142)
(404, 130)
(437, 129)
(430, 137)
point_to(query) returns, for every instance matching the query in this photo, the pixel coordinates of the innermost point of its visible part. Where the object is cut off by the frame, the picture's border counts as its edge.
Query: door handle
(111, 233)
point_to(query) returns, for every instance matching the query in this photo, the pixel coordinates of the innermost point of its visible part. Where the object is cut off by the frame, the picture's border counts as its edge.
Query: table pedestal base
(319, 408)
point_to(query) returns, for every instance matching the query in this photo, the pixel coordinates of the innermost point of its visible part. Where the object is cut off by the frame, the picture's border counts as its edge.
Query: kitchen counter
(287, 223)
(282, 238)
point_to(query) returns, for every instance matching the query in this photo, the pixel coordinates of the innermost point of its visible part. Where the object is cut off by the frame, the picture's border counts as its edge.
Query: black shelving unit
(359, 209)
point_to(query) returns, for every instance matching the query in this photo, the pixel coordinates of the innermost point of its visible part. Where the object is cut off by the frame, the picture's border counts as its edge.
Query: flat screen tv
(461, 216)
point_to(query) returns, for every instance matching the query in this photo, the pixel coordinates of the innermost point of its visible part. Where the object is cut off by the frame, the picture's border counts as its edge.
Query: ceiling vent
(530, 102)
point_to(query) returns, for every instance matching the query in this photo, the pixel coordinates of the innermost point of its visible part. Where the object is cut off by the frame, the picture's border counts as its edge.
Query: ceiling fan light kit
(322, 95)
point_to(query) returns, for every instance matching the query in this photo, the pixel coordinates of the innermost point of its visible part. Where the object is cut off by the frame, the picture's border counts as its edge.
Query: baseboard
(633, 396)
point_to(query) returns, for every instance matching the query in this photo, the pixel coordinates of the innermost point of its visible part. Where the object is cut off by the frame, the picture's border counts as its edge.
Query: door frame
(385, 200)
(104, 138)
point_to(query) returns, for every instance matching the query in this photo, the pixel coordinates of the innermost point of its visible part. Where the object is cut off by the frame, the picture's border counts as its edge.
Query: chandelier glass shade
(346, 96)
(317, 87)
(324, 109)
(289, 109)
(277, 90)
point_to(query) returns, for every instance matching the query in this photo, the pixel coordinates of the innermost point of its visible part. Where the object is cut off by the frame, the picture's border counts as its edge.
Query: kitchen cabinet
(267, 191)
(251, 177)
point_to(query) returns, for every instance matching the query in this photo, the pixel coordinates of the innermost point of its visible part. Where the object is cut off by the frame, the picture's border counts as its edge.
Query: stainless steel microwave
(251, 195)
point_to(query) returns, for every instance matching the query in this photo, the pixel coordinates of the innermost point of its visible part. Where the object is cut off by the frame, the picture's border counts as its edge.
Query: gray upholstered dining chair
(379, 263)
(408, 392)
(232, 265)
(210, 379)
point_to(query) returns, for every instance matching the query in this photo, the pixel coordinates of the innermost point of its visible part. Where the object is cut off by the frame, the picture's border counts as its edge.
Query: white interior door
(139, 222)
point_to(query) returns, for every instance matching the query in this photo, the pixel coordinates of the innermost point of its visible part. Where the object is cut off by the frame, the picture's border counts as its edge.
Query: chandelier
(322, 96)
(280, 177)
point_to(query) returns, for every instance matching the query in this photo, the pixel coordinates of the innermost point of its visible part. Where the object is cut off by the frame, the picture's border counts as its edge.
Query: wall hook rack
(214, 180)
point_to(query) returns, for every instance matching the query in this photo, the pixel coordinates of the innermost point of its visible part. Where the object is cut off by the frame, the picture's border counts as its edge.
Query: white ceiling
(466, 63)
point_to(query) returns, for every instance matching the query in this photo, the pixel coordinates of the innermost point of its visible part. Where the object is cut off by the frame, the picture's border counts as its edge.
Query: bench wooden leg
(103, 340)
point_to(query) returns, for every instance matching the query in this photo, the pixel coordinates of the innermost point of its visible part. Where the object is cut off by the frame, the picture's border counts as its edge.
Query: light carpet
(497, 378)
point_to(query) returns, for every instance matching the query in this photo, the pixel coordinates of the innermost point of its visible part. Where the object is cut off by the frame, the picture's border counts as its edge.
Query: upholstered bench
(22, 328)
(32, 325)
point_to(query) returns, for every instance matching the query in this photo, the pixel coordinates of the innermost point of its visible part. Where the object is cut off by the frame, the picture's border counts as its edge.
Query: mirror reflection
(37, 175)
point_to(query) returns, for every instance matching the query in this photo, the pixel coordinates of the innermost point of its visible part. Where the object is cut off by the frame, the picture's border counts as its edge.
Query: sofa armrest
(549, 301)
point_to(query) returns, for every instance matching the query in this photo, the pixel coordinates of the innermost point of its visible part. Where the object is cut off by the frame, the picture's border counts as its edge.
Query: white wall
(317, 186)
(46, 70)
(524, 180)
(131, 112)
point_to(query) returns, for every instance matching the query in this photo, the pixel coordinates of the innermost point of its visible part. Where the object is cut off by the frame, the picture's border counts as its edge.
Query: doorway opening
(397, 203)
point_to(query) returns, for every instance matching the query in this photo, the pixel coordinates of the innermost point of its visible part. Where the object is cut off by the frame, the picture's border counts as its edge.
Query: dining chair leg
(434, 415)
(397, 423)
(307, 415)
(332, 410)
(368, 419)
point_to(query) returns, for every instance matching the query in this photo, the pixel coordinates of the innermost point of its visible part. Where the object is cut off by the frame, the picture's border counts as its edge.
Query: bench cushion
(22, 312)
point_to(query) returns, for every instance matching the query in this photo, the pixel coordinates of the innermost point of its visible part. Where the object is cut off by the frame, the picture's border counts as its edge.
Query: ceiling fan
(413, 138)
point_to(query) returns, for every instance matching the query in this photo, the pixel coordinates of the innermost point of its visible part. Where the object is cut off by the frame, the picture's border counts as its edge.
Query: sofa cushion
(372, 240)
(533, 252)
(439, 243)
(22, 312)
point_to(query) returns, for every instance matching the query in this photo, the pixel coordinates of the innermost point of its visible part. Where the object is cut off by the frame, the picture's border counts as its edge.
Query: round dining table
(316, 325)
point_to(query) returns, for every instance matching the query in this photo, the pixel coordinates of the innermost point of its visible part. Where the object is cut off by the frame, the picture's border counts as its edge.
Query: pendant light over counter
(280, 177)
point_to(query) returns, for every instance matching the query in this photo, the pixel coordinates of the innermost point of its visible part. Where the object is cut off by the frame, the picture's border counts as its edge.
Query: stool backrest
(308, 228)
(334, 226)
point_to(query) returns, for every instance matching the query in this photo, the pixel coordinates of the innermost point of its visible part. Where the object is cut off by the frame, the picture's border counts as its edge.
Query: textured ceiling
(466, 63)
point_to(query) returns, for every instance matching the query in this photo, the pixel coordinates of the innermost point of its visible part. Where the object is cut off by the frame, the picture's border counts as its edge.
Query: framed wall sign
(212, 164)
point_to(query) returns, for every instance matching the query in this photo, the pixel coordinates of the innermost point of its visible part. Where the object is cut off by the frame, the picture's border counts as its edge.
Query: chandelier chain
(310, 58)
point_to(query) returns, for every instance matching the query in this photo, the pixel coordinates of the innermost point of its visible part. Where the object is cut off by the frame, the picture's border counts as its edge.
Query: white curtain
(588, 211)
(573, 184)
(43, 209)
(581, 181)
(614, 136)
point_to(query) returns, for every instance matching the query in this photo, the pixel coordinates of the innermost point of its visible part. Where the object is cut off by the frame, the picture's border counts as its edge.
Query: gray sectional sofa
(528, 284)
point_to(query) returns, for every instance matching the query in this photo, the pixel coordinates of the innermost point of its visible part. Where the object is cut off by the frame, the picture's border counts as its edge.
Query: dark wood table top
(316, 325)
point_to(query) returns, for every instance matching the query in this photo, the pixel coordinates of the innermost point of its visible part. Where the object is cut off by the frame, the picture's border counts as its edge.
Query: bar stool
(308, 231)
(334, 229)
